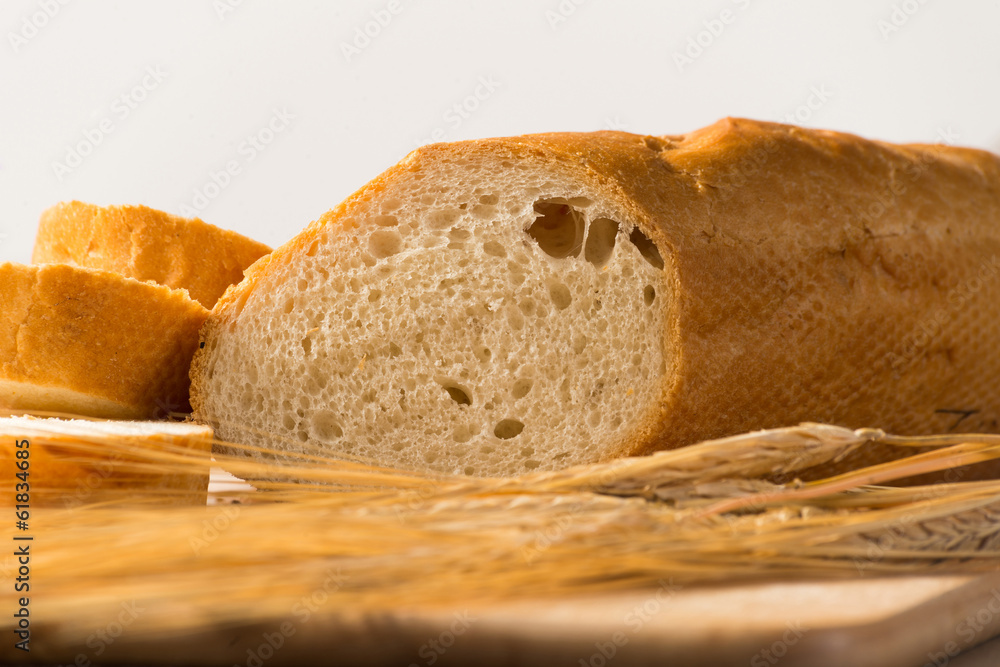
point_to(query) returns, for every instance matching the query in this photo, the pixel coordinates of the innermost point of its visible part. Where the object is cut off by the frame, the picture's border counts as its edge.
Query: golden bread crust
(94, 343)
(817, 276)
(146, 244)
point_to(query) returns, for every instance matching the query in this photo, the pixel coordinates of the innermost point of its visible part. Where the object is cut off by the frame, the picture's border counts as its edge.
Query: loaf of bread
(94, 343)
(146, 244)
(498, 306)
(63, 470)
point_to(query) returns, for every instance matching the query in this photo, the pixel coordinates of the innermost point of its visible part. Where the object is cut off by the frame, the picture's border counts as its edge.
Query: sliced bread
(146, 244)
(498, 306)
(64, 469)
(94, 343)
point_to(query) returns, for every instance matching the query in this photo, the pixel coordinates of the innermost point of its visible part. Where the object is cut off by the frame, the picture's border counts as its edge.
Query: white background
(900, 70)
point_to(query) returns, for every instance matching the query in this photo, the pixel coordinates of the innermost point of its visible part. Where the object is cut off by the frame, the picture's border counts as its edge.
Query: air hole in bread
(385, 243)
(494, 248)
(646, 248)
(457, 393)
(325, 426)
(443, 218)
(307, 345)
(560, 295)
(386, 220)
(391, 204)
(648, 294)
(515, 318)
(558, 229)
(600, 241)
(508, 428)
(483, 353)
(492, 200)
(522, 387)
(484, 211)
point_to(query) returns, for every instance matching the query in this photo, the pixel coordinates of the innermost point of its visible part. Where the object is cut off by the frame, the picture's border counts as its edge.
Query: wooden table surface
(893, 622)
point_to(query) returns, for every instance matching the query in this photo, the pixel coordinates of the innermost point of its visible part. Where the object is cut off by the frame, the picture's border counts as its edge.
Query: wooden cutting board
(897, 622)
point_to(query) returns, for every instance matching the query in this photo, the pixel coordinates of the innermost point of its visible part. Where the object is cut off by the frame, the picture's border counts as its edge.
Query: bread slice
(146, 244)
(527, 303)
(94, 343)
(64, 471)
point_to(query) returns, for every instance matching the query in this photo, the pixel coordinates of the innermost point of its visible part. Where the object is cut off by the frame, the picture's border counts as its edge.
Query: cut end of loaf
(475, 316)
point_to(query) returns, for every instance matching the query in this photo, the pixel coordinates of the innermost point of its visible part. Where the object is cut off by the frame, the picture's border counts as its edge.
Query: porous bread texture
(479, 317)
(66, 471)
(94, 343)
(808, 275)
(146, 244)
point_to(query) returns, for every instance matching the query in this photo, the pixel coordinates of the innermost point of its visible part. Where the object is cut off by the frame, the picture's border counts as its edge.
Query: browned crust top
(146, 244)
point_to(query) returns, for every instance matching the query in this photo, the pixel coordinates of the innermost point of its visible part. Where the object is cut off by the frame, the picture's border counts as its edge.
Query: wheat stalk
(396, 539)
